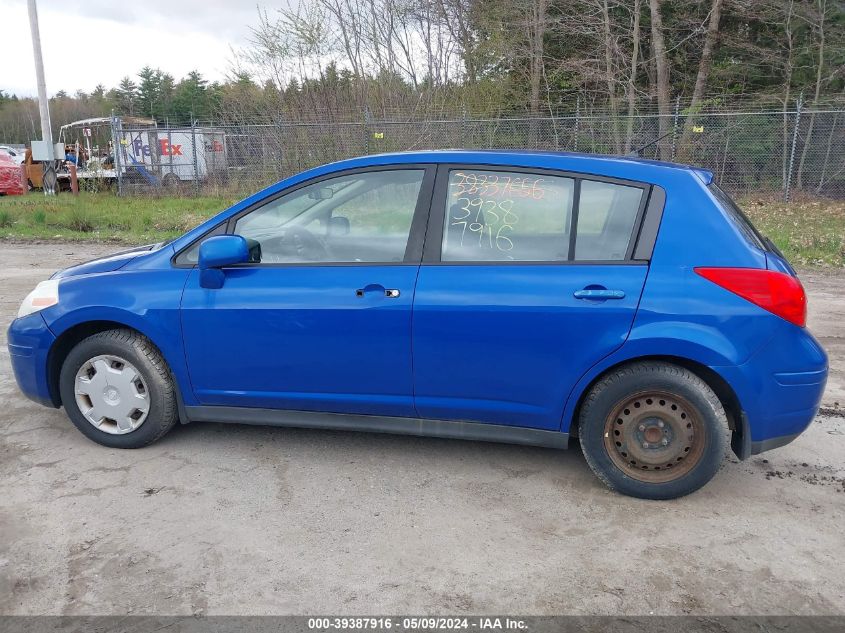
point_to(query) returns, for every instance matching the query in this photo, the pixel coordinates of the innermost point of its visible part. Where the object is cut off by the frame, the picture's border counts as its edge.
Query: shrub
(78, 221)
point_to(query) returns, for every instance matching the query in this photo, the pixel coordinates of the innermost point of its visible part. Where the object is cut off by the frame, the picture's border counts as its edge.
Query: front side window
(362, 217)
(507, 216)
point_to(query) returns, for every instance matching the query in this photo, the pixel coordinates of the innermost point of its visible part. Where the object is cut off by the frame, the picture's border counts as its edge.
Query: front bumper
(29, 341)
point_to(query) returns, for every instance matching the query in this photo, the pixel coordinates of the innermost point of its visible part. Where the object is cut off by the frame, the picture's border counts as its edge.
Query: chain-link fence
(785, 153)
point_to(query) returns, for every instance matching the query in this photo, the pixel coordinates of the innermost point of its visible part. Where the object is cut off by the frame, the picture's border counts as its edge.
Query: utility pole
(43, 104)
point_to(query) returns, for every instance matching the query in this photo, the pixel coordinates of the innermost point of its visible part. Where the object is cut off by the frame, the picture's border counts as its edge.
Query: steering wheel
(297, 244)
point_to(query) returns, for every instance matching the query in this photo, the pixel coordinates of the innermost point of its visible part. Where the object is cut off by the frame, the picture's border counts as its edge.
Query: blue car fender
(695, 342)
(153, 313)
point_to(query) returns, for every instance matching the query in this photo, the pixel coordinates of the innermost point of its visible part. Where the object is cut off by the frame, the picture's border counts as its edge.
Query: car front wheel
(117, 389)
(653, 430)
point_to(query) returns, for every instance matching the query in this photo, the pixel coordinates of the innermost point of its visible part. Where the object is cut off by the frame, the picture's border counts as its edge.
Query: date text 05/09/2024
(427, 623)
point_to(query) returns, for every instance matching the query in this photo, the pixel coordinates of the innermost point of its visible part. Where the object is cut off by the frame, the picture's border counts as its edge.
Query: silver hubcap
(111, 394)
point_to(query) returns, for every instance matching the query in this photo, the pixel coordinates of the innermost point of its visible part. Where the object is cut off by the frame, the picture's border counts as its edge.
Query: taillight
(779, 293)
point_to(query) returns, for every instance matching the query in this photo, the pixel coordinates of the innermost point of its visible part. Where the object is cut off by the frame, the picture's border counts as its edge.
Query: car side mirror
(217, 252)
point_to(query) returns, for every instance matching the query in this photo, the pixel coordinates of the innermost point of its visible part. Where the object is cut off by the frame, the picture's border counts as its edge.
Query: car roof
(598, 164)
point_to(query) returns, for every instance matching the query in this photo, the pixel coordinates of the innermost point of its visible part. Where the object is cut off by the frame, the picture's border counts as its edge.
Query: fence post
(366, 130)
(675, 126)
(577, 119)
(786, 189)
(117, 147)
(194, 155)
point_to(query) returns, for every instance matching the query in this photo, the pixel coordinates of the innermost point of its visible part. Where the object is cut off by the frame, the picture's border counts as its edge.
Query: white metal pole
(43, 104)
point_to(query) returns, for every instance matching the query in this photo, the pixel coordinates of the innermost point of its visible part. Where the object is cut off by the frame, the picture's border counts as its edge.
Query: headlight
(46, 294)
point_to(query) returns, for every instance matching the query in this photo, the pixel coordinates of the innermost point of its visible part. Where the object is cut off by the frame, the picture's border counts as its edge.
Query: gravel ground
(225, 519)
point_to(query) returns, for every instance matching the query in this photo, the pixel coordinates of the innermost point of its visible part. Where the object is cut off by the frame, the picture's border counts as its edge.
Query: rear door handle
(598, 294)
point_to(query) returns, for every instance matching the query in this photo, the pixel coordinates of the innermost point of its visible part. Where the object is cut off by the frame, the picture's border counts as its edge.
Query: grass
(809, 232)
(103, 217)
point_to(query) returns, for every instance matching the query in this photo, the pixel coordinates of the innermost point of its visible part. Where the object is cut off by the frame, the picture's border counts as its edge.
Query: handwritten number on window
(488, 222)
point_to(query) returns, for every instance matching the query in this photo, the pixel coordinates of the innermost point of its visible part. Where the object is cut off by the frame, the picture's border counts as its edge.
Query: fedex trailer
(137, 150)
(172, 155)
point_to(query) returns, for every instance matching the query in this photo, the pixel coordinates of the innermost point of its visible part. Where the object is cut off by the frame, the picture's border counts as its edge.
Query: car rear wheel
(117, 389)
(653, 430)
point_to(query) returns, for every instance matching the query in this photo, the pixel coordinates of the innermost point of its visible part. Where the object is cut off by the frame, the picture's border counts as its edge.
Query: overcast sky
(88, 42)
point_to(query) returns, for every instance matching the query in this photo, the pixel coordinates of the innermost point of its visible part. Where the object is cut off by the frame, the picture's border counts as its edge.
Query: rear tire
(117, 389)
(653, 430)
(170, 181)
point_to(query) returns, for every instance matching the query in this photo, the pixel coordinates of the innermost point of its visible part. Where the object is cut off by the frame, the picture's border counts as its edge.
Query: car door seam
(610, 353)
(182, 333)
(431, 192)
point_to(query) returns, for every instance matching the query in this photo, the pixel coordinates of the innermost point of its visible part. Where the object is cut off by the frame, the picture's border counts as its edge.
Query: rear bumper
(772, 442)
(29, 342)
(779, 390)
(743, 447)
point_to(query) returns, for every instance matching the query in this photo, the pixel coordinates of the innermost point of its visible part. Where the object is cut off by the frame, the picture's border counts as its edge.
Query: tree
(661, 64)
(610, 74)
(191, 98)
(703, 74)
(155, 93)
(124, 98)
(335, 60)
(819, 29)
(631, 85)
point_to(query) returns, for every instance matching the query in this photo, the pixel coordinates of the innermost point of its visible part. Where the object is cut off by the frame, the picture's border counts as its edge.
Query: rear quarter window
(740, 220)
(607, 214)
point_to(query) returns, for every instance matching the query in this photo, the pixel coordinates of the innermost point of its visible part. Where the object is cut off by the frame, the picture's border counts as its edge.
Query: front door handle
(598, 294)
(390, 293)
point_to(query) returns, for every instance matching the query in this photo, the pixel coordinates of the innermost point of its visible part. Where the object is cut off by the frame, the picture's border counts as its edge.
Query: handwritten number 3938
(480, 218)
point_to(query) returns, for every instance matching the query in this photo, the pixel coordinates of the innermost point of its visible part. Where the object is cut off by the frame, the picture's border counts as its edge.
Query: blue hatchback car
(519, 297)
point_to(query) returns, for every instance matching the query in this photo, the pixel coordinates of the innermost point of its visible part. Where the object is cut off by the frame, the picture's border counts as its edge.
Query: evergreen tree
(147, 90)
(191, 97)
(124, 98)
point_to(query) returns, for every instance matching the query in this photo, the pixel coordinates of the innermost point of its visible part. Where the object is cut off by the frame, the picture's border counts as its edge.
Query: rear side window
(606, 216)
(507, 216)
(493, 216)
(739, 218)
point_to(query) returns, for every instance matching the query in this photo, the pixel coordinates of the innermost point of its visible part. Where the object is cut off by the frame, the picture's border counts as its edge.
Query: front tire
(653, 430)
(117, 389)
